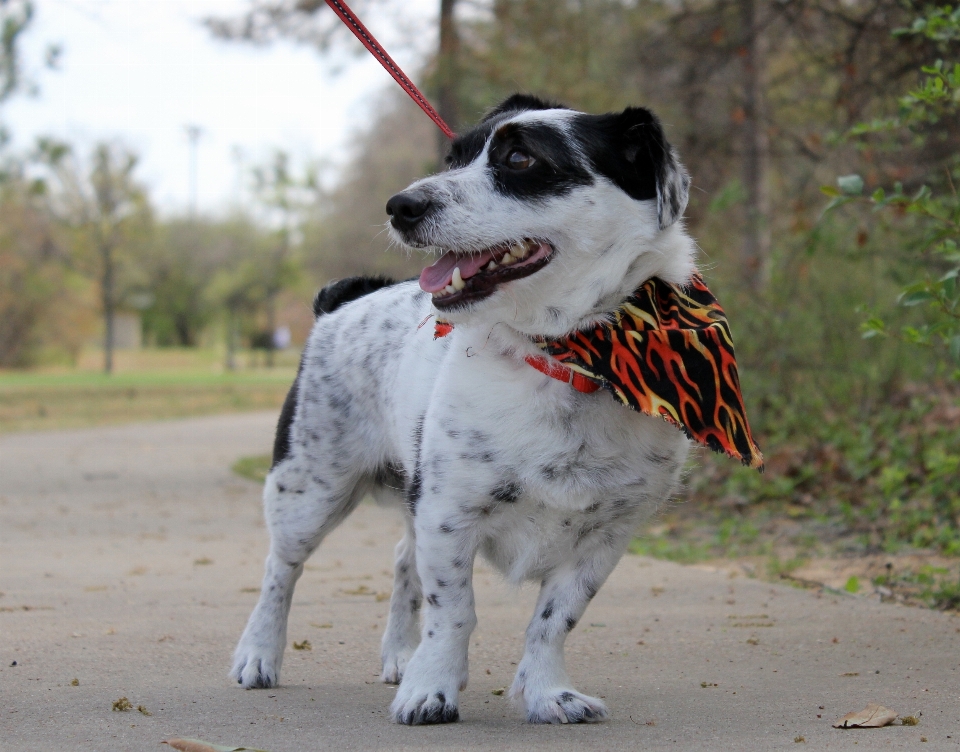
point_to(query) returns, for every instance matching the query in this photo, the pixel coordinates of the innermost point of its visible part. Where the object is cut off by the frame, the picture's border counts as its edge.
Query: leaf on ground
(872, 716)
(122, 704)
(305, 645)
(198, 745)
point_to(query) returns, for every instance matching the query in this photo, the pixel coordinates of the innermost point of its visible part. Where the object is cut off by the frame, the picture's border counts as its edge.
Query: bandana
(667, 352)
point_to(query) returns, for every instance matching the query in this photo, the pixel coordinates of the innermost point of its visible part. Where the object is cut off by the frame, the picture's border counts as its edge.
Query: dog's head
(547, 218)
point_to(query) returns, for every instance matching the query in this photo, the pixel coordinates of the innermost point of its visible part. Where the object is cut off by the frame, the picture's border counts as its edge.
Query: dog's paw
(565, 706)
(415, 708)
(254, 671)
(394, 665)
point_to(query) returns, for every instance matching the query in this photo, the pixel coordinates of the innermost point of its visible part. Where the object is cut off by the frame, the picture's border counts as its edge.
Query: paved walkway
(129, 561)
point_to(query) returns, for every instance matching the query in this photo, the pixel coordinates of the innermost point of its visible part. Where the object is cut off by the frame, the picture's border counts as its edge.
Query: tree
(108, 212)
(282, 198)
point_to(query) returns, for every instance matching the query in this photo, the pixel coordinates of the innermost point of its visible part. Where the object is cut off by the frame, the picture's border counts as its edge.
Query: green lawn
(157, 386)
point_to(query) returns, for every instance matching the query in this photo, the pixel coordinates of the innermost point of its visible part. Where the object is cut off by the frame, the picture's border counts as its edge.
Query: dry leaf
(499, 692)
(305, 645)
(122, 704)
(198, 745)
(872, 716)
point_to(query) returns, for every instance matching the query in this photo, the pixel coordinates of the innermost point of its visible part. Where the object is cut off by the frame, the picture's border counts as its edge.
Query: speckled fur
(481, 451)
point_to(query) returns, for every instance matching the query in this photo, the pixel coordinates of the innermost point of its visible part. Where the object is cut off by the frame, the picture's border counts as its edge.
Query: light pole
(194, 132)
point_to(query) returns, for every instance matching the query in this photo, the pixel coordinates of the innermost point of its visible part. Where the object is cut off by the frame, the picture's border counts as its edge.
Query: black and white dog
(545, 221)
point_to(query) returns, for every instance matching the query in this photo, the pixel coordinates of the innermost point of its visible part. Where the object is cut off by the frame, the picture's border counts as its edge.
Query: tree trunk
(106, 252)
(756, 151)
(448, 75)
(231, 363)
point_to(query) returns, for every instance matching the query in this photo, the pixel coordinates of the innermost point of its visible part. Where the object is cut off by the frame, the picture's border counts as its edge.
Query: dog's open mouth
(462, 277)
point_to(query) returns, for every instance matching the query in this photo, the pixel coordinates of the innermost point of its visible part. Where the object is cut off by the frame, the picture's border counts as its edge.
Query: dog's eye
(519, 160)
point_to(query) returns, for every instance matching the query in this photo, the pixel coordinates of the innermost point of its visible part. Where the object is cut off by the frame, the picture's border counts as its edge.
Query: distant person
(281, 338)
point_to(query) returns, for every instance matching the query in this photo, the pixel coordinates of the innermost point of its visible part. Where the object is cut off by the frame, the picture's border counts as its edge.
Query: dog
(545, 221)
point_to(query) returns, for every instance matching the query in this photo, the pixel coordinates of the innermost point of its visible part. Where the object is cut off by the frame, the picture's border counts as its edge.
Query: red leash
(360, 32)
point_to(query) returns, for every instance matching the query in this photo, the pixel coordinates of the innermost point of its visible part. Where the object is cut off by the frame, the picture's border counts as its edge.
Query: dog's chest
(509, 426)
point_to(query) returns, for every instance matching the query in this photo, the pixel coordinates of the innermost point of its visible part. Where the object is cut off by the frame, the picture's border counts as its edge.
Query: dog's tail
(342, 291)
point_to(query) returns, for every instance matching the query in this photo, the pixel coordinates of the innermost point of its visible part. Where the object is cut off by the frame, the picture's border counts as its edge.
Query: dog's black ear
(519, 103)
(630, 149)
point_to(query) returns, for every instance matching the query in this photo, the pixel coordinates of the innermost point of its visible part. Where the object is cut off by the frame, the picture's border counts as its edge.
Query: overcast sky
(141, 70)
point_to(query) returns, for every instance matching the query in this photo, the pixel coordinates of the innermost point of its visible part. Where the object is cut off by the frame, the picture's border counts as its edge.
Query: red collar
(545, 364)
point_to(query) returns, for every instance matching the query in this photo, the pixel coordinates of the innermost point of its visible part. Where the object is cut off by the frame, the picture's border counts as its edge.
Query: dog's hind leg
(402, 635)
(301, 509)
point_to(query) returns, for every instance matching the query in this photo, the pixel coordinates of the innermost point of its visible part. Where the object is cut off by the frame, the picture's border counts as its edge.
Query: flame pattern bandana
(667, 352)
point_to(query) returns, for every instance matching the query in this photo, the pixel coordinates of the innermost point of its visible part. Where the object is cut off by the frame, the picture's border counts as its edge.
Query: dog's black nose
(407, 209)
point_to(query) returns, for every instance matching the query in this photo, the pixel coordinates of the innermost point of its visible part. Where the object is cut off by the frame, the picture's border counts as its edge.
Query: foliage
(925, 113)
(45, 305)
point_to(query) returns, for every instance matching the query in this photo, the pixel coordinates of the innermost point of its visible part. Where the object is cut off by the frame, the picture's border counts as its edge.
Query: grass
(253, 468)
(147, 385)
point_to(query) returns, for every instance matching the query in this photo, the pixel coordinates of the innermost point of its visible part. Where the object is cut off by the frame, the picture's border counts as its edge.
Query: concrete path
(130, 558)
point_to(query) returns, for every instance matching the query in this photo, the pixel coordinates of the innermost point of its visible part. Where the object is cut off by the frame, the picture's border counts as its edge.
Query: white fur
(549, 484)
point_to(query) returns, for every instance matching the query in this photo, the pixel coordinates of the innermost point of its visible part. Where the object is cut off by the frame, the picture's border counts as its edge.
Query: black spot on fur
(555, 171)
(468, 146)
(430, 633)
(343, 291)
(630, 149)
(433, 600)
(414, 604)
(571, 623)
(507, 492)
(547, 611)
(281, 441)
(415, 489)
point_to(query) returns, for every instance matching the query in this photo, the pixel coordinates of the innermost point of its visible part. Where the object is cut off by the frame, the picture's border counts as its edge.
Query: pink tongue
(437, 276)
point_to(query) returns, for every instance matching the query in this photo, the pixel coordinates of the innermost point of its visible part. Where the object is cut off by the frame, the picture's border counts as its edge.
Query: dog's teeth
(517, 250)
(491, 266)
(507, 259)
(458, 283)
(437, 295)
(530, 245)
(450, 289)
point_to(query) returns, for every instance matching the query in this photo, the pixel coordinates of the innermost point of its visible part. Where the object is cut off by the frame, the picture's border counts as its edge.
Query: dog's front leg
(542, 683)
(437, 671)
